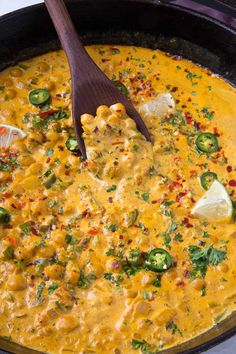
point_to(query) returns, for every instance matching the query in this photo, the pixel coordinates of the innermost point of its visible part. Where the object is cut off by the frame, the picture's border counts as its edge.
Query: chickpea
(130, 293)
(118, 108)
(18, 146)
(142, 308)
(34, 169)
(86, 118)
(23, 254)
(49, 85)
(8, 82)
(198, 284)
(113, 119)
(54, 271)
(10, 93)
(59, 237)
(26, 160)
(72, 276)
(130, 123)
(16, 282)
(43, 67)
(16, 72)
(67, 323)
(39, 206)
(223, 267)
(4, 176)
(103, 111)
(46, 252)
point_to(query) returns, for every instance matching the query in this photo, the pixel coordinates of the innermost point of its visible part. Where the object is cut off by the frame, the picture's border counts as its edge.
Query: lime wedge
(215, 205)
(161, 106)
(8, 134)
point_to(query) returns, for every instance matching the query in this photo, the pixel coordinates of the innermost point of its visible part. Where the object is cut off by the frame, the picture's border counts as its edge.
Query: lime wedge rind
(215, 205)
(8, 134)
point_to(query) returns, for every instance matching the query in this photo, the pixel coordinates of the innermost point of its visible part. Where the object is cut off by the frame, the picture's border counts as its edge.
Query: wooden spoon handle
(66, 32)
(74, 49)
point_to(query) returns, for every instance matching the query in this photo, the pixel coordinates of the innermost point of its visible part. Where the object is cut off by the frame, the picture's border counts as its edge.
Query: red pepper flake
(33, 231)
(48, 160)
(232, 183)
(186, 273)
(117, 143)
(7, 195)
(216, 132)
(180, 283)
(177, 159)
(181, 195)
(48, 113)
(3, 130)
(86, 214)
(13, 206)
(229, 168)
(154, 201)
(104, 60)
(187, 223)
(22, 204)
(93, 231)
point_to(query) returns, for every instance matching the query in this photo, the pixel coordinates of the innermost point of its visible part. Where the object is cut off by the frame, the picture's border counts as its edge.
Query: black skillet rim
(228, 333)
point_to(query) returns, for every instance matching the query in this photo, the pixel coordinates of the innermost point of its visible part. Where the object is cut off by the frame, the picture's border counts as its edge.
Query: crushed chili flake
(187, 223)
(229, 168)
(232, 183)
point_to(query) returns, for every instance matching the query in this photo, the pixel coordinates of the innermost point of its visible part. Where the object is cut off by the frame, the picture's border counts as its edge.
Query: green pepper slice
(207, 142)
(5, 216)
(72, 144)
(207, 179)
(159, 260)
(39, 97)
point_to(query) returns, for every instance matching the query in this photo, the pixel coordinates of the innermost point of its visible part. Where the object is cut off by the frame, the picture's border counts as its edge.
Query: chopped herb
(70, 240)
(49, 152)
(9, 252)
(112, 227)
(143, 346)
(135, 148)
(168, 87)
(145, 196)
(172, 326)
(40, 291)
(201, 258)
(114, 280)
(157, 282)
(26, 228)
(112, 188)
(52, 287)
(115, 51)
(203, 292)
(207, 114)
(123, 89)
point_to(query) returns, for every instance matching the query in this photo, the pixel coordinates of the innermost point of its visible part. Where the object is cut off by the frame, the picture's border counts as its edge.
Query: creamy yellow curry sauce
(78, 272)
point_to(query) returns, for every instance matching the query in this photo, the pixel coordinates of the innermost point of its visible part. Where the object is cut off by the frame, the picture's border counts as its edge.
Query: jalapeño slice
(159, 260)
(39, 97)
(207, 179)
(207, 142)
(72, 144)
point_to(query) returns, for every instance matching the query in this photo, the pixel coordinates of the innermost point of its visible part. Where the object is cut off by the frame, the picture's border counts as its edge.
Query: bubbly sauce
(73, 257)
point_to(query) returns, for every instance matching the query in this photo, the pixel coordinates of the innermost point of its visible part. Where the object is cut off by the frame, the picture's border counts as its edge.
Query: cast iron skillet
(29, 32)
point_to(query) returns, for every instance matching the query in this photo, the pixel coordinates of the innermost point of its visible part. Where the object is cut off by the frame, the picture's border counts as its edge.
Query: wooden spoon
(90, 86)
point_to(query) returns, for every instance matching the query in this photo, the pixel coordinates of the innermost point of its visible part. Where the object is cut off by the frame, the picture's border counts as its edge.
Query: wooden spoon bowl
(91, 88)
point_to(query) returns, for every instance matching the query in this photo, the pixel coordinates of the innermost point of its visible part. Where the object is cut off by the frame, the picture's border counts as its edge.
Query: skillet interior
(29, 32)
